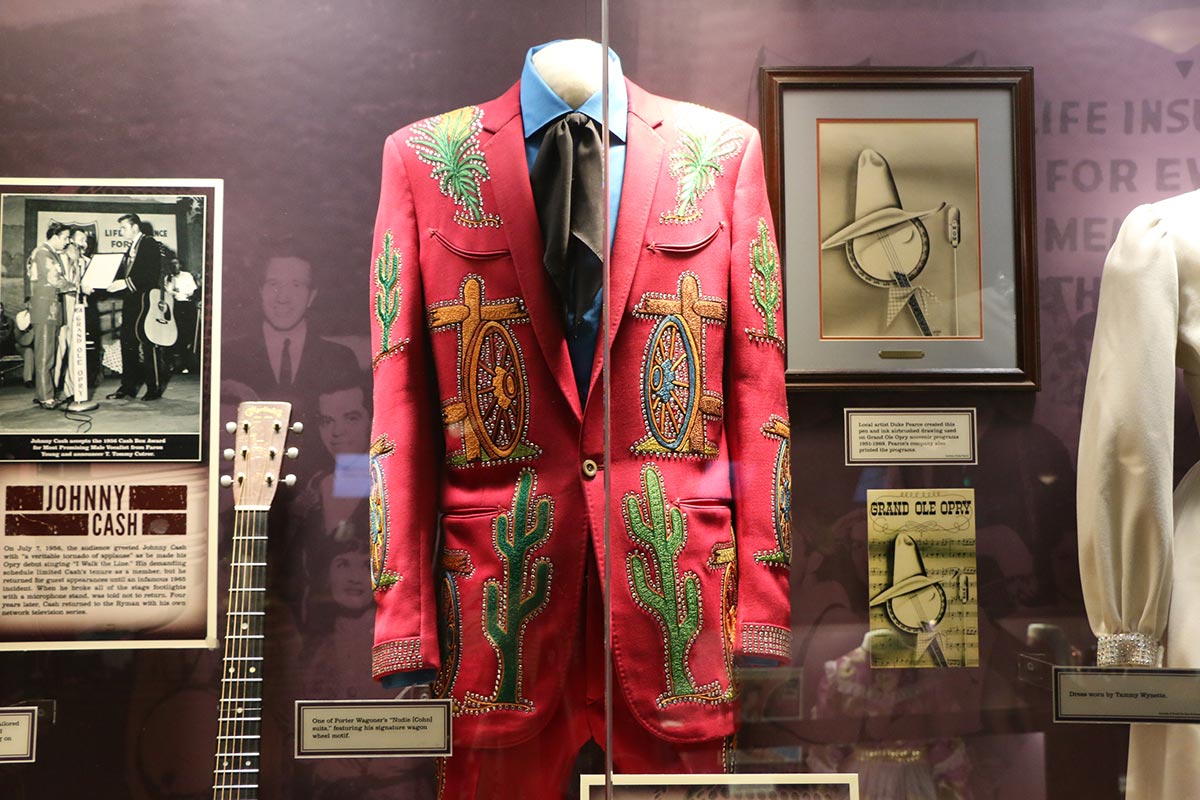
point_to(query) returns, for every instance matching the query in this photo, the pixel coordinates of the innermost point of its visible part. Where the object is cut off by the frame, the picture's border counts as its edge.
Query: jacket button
(590, 468)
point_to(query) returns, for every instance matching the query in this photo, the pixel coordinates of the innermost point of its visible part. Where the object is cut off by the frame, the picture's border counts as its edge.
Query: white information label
(372, 729)
(1084, 694)
(910, 436)
(18, 734)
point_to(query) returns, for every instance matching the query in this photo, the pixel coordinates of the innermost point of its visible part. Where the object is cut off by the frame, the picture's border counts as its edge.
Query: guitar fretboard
(240, 711)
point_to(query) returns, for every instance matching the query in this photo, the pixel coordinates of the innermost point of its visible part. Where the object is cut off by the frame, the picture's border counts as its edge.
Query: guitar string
(223, 702)
(227, 699)
(247, 780)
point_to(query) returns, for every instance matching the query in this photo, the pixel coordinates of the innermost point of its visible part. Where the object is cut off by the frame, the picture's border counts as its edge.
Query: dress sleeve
(1126, 446)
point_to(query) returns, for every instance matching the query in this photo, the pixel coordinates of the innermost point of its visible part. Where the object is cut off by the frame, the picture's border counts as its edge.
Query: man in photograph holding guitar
(140, 357)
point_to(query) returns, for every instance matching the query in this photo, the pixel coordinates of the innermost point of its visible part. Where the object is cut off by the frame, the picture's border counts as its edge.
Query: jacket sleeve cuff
(1128, 650)
(399, 655)
(770, 641)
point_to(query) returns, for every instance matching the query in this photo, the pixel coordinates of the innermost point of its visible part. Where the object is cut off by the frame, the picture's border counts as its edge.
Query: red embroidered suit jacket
(478, 429)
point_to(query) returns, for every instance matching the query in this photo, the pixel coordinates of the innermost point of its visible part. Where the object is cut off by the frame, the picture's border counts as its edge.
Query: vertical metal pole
(606, 379)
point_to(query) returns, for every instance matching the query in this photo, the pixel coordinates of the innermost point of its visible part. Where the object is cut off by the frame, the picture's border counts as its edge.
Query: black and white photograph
(104, 336)
(899, 218)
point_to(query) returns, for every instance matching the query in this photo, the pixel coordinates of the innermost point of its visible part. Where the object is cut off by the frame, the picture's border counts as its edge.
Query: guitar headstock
(260, 436)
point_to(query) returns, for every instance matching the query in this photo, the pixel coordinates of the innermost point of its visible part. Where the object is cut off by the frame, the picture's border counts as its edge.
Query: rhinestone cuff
(1128, 650)
(397, 656)
(767, 640)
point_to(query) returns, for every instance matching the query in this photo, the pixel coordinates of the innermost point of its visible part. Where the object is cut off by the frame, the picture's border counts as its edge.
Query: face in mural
(344, 421)
(287, 292)
(349, 582)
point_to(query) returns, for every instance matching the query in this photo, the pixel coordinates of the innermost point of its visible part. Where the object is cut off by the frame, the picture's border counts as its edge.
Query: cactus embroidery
(519, 596)
(387, 298)
(449, 143)
(705, 140)
(660, 590)
(382, 578)
(765, 287)
(781, 495)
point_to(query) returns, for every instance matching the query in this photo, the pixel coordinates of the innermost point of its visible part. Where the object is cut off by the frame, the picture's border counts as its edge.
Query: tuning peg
(292, 452)
(297, 427)
(226, 481)
(272, 453)
(228, 454)
(231, 427)
(289, 480)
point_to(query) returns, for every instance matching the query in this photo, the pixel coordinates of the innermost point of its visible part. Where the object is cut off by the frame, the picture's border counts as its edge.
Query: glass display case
(657, 438)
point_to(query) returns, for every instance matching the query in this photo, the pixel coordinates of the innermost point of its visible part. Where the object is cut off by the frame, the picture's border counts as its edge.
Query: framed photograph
(108, 502)
(905, 214)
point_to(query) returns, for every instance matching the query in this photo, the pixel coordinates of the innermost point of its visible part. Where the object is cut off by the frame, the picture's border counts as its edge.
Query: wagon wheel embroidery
(724, 557)
(492, 407)
(456, 565)
(449, 143)
(381, 577)
(781, 496)
(675, 404)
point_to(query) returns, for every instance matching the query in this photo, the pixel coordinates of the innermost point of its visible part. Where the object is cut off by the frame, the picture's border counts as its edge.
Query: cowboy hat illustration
(913, 598)
(877, 205)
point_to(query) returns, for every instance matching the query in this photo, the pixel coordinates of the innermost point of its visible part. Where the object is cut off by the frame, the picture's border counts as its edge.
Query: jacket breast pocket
(476, 251)
(692, 245)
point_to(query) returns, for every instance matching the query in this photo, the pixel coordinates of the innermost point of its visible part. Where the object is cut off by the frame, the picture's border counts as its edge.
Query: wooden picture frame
(905, 213)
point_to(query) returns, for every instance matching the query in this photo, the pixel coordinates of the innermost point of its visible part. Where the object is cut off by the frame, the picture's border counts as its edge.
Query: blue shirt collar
(540, 105)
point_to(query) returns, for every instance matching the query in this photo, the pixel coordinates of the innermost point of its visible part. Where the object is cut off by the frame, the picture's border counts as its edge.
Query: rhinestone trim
(403, 655)
(1128, 650)
(767, 640)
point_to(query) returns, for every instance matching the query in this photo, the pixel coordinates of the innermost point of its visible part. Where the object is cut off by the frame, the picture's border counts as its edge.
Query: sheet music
(102, 270)
(922, 578)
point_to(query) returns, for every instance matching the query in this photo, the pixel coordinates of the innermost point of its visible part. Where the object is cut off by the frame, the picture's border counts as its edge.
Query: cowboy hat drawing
(877, 203)
(908, 572)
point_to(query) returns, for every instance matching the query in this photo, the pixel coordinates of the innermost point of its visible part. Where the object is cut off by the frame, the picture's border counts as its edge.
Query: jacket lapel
(643, 161)
(505, 152)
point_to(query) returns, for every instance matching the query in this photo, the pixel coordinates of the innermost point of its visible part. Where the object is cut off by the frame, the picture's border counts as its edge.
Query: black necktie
(285, 364)
(568, 193)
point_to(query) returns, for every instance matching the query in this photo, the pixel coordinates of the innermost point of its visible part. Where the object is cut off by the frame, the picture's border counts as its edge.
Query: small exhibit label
(1091, 694)
(910, 436)
(833, 786)
(372, 729)
(18, 734)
